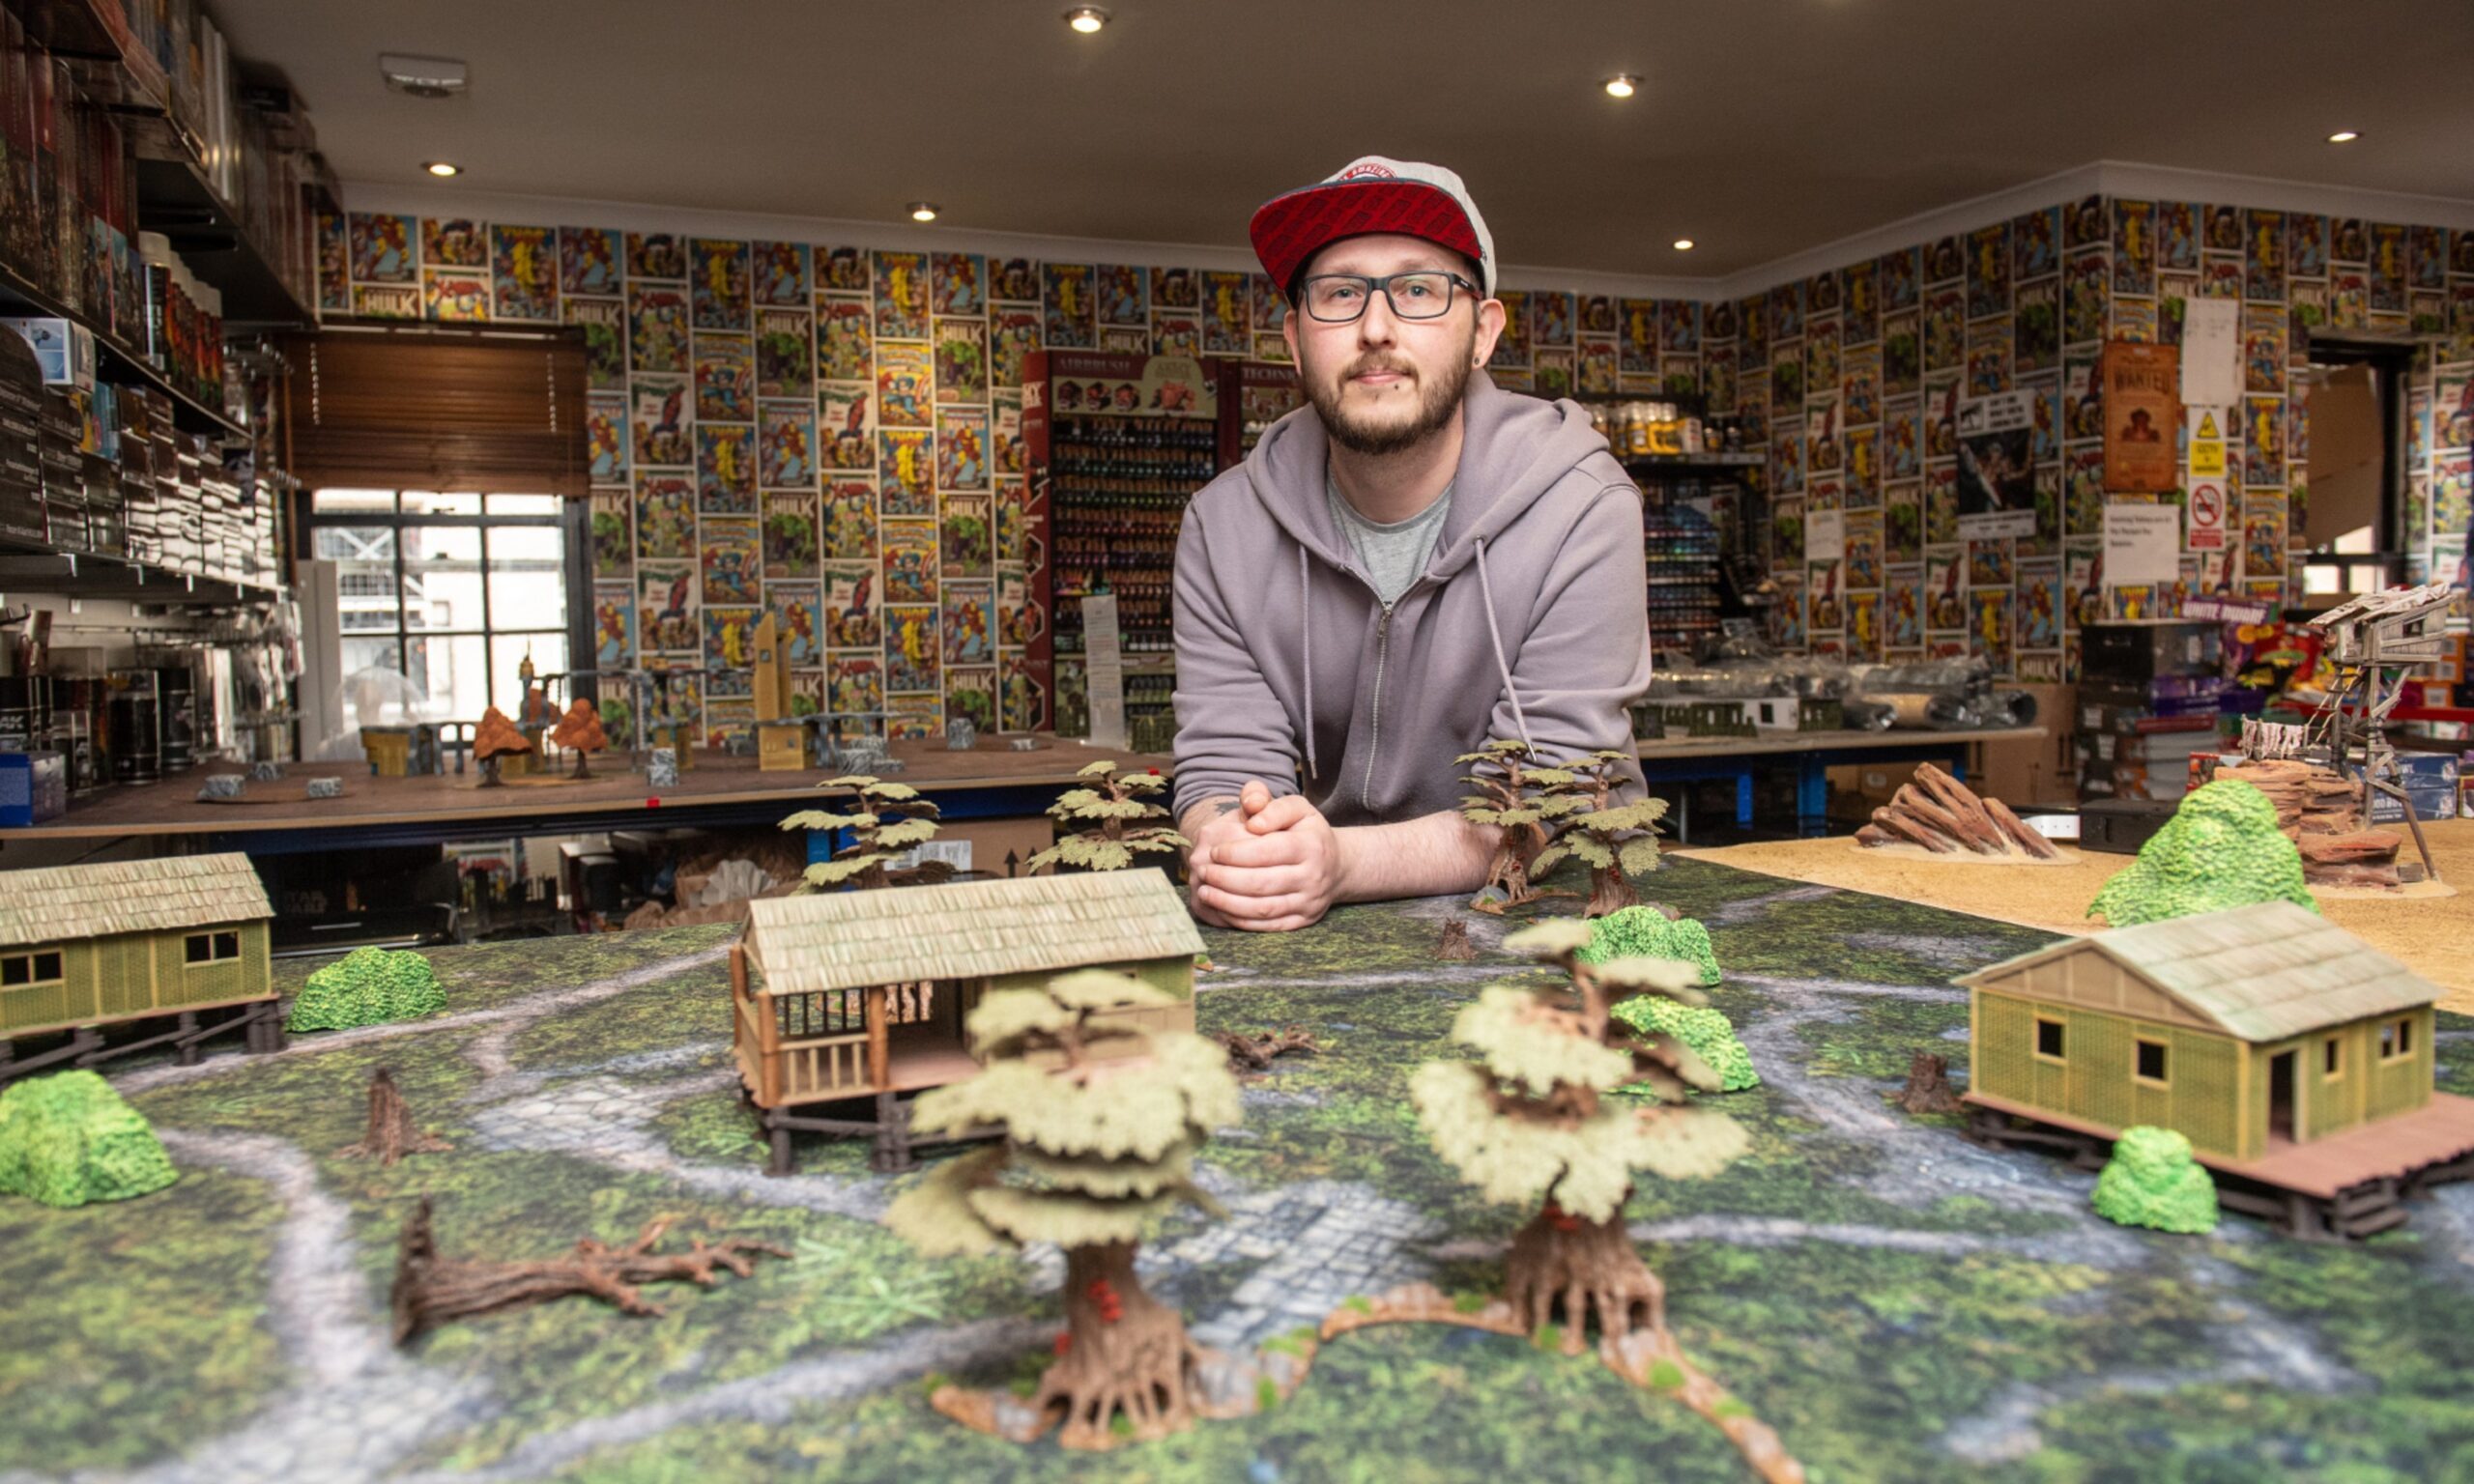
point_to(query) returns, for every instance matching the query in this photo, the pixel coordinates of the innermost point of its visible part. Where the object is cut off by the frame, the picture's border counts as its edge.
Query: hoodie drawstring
(1486, 590)
(1306, 619)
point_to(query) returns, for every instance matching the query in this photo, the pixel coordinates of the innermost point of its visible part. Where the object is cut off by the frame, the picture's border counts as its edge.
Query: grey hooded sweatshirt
(1531, 620)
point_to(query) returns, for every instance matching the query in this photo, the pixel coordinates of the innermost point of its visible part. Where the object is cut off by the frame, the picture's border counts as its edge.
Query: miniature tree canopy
(886, 821)
(1529, 1123)
(1614, 841)
(1646, 932)
(1517, 799)
(1108, 821)
(580, 731)
(367, 987)
(1101, 1124)
(2221, 849)
(497, 735)
(69, 1138)
(2153, 1182)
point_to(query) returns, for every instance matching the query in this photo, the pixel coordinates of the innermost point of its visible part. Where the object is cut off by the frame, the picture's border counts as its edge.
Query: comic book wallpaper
(809, 390)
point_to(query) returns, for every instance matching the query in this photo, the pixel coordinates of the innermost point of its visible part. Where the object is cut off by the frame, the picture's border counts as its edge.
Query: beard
(1437, 400)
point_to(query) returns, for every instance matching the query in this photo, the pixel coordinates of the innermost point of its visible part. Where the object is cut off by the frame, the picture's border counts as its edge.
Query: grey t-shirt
(1394, 555)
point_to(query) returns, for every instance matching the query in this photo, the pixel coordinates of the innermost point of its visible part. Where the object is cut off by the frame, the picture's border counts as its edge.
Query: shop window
(2049, 1039)
(2150, 1063)
(213, 946)
(2396, 1041)
(20, 971)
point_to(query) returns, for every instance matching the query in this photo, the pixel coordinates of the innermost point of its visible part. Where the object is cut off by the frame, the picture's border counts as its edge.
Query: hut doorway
(2281, 1097)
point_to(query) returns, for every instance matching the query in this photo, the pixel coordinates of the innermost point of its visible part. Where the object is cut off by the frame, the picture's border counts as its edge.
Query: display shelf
(117, 365)
(25, 566)
(115, 73)
(1692, 463)
(174, 197)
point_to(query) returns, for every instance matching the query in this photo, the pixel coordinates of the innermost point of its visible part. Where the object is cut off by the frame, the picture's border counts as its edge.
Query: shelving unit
(117, 365)
(1681, 545)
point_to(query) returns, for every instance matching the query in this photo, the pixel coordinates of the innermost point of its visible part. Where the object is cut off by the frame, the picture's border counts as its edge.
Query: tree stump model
(1947, 817)
(1512, 795)
(1108, 822)
(1615, 841)
(2320, 810)
(429, 1288)
(1254, 1052)
(1528, 1122)
(392, 1134)
(1928, 1086)
(1102, 1121)
(580, 732)
(495, 738)
(1455, 947)
(886, 821)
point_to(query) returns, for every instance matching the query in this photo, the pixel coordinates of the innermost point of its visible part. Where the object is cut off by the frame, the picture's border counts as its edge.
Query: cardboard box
(33, 787)
(2035, 771)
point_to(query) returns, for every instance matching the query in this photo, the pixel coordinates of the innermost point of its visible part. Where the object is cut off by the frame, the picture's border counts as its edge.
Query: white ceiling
(1763, 128)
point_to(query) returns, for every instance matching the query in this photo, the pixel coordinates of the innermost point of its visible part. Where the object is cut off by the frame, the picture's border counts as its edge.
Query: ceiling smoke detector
(424, 77)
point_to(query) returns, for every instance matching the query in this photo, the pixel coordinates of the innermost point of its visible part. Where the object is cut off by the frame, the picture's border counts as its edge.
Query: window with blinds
(422, 408)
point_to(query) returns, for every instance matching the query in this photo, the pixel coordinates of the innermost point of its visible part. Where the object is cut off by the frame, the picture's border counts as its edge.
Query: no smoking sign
(2207, 516)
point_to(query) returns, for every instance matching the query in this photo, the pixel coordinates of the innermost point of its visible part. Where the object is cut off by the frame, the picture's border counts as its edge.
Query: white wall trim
(2165, 183)
(905, 237)
(1909, 230)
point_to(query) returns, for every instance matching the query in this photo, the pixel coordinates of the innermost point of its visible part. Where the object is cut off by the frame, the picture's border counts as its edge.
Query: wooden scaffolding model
(2372, 641)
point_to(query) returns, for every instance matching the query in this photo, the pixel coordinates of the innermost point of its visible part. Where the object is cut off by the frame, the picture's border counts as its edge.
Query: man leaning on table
(1412, 564)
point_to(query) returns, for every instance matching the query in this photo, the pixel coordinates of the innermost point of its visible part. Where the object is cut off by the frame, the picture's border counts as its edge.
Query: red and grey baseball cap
(1371, 195)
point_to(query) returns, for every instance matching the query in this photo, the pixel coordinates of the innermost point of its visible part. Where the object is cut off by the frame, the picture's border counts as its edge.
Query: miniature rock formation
(2153, 1182)
(2320, 810)
(495, 738)
(1102, 1121)
(69, 1138)
(580, 731)
(1928, 1086)
(887, 821)
(1455, 947)
(392, 1134)
(1615, 841)
(1512, 796)
(1947, 817)
(2221, 849)
(1254, 1052)
(1529, 1123)
(430, 1289)
(1108, 823)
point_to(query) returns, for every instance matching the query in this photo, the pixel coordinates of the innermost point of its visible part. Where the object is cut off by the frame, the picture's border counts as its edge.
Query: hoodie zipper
(1375, 732)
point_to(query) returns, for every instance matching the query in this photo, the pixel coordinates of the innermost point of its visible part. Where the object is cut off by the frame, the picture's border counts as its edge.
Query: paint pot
(177, 687)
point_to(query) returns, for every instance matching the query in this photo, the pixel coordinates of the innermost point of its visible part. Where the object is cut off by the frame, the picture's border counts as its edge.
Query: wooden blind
(436, 410)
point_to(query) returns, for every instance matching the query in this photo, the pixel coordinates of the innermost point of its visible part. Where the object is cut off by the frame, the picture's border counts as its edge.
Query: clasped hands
(1266, 865)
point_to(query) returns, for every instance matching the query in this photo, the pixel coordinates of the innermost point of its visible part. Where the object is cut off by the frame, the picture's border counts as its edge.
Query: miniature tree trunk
(392, 1134)
(1610, 891)
(1928, 1085)
(1564, 1271)
(1124, 1352)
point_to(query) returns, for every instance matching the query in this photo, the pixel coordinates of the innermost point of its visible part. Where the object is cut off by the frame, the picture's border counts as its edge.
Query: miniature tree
(1512, 796)
(1115, 809)
(1615, 841)
(496, 737)
(580, 731)
(1101, 1123)
(367, 987)
(887, 822)
(1529, 1123)
(2221, 849)
(2153, 1182)
(69, 1138)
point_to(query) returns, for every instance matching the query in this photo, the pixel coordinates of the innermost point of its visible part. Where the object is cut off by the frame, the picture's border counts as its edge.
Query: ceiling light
(1086, 19)
(442, 168)
(2344, 136)
(1683, 245)
(923, 211)
(1623, 85)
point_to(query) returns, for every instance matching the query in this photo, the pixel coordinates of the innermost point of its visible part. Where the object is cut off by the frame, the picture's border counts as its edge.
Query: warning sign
(2207, 532)
(2207, 425)
(2207, 448)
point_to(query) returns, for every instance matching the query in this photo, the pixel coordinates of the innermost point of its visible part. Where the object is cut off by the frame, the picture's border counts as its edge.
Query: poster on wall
(2143, 409)
(1996, 468)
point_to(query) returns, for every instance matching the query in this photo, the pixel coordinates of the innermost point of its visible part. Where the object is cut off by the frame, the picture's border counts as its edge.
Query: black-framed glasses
(1338, 299)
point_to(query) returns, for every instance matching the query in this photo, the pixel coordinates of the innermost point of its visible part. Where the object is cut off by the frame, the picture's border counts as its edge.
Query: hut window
(2151, 1062)
(2332, 1062)
(2396, 1039)
(18, 970)
(2049, 1039)
(213, 946)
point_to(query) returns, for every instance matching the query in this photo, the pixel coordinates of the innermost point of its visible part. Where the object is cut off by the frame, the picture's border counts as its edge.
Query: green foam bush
(69, 1139)
(2221, 849)
(1646, 932)
(1707, 1032)
(367, 987)
(2153, 1182)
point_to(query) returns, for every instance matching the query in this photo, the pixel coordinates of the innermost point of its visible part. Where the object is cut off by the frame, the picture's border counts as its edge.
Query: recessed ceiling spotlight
(1683, 245)
(1086, 19)
(1623, 85)
(923, 211)
(442, 168)
(2344, 136)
